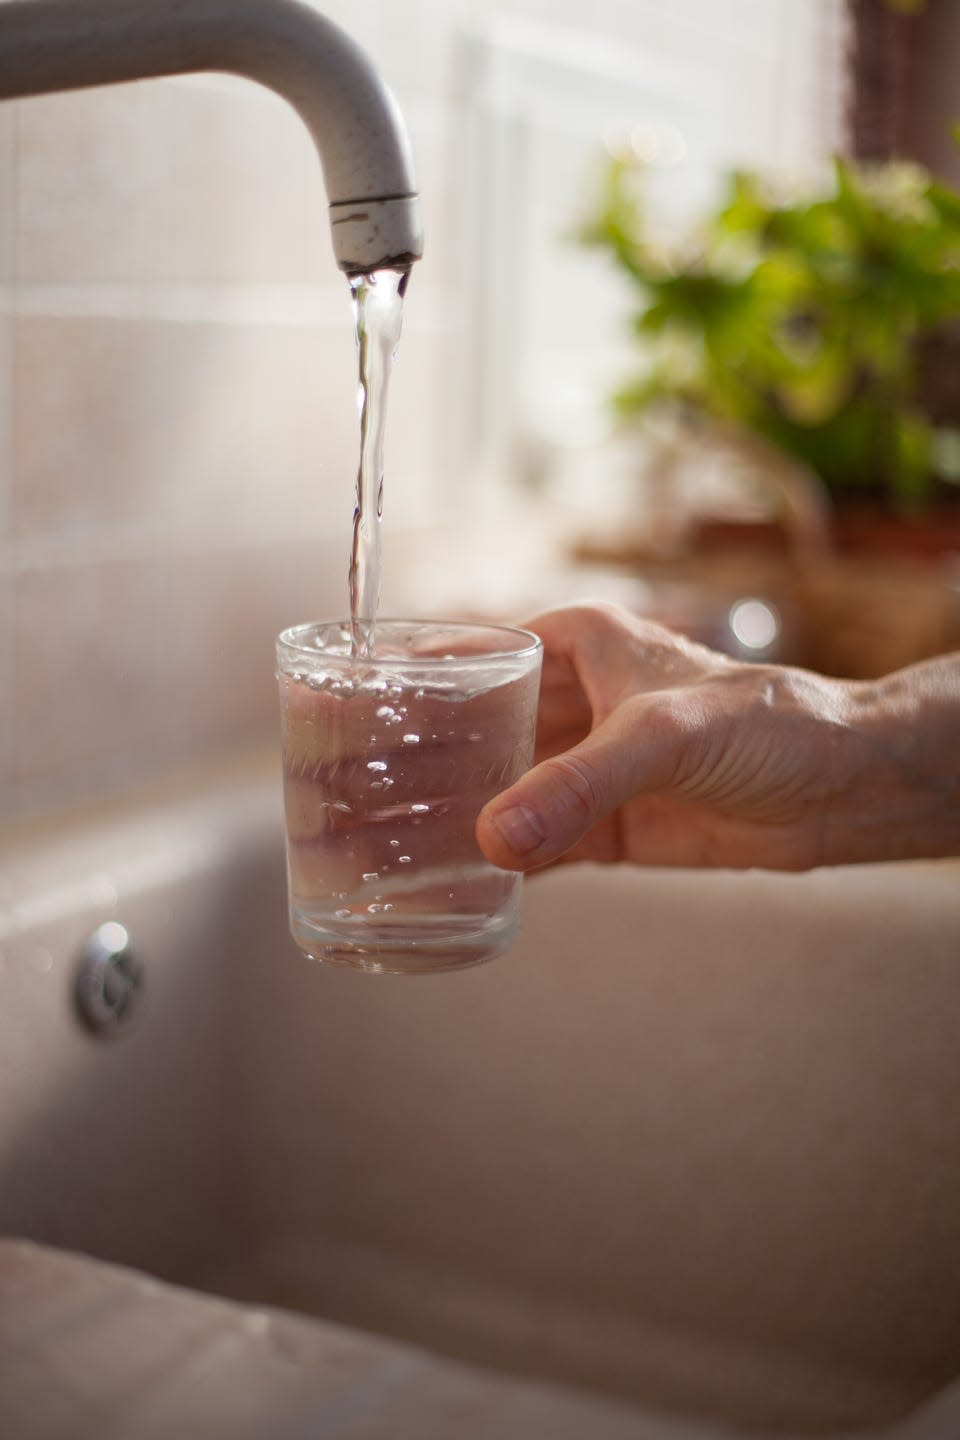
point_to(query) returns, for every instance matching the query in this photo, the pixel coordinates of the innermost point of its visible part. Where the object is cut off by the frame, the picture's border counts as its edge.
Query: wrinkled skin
(655, 750)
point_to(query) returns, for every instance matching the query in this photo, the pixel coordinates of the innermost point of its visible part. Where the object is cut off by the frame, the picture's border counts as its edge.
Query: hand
(655, 750)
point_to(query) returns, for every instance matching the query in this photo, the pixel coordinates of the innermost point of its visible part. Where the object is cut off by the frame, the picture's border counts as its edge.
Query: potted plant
(822, 326)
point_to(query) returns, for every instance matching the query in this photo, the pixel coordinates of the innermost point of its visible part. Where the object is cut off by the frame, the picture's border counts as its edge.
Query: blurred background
(623, 373)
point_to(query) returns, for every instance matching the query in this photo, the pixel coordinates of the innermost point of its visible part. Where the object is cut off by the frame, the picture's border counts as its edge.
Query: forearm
(908, 726)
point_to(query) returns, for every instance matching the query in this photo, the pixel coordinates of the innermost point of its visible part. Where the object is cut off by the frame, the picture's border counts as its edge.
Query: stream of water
(378, 311)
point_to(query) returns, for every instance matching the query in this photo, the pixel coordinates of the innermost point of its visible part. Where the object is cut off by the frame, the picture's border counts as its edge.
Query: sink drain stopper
(109, 980)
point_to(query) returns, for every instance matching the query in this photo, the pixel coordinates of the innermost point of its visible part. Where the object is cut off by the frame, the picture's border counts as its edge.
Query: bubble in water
(394, 842)
(371, 875)
(404, 859)
(386, 712)
(419, 809)
(376, 764)
(343, 914)
(411, 739)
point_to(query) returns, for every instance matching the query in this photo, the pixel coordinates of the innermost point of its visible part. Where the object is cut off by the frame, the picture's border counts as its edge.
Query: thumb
(551, 807)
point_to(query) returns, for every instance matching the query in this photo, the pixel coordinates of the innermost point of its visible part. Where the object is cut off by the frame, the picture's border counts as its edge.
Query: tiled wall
(177, 386)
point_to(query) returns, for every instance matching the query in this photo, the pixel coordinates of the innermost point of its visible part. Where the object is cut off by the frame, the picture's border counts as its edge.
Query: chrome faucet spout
(48, 45)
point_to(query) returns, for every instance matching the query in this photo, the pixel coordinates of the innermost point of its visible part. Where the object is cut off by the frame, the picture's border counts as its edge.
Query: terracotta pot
(872, 530)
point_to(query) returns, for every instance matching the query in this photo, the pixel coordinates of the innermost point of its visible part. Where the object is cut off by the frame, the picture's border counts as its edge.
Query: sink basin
(691, 1147)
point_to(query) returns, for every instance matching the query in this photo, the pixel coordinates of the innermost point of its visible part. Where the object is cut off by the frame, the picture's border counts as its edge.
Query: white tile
(91, 423)
(7, 193)
(83, 662)
(257, 416)
(85, 190)
(133, 422)
(239, 189)
(417, 449)
(7, 689)
(222, 608)
(169, 182)
(362, 19)
(6, 427)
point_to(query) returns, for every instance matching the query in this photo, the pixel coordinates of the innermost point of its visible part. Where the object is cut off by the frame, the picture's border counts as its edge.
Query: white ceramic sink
(692, 1146)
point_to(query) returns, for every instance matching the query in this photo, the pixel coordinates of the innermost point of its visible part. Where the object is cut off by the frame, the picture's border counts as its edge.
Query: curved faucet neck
(51, 45)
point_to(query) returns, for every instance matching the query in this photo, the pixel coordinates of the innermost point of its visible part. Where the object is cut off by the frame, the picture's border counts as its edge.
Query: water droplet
(419, 809)
(404, 859)
(411, 739)
(394, 842)
(376, 764)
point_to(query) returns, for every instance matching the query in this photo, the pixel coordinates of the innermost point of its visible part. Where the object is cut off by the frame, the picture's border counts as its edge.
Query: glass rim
(289, 642)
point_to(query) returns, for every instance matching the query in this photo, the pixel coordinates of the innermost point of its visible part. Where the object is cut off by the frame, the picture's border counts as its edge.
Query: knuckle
(604, 617)
(577, 783)
(594, 618)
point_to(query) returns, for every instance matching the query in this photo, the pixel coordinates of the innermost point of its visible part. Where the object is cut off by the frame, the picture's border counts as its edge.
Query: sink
(692, 1147)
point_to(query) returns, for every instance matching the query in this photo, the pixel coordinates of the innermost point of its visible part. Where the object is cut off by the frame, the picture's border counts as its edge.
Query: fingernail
(521, 828)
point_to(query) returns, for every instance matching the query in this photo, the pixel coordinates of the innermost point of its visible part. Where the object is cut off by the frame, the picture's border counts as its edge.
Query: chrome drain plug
(109, 980)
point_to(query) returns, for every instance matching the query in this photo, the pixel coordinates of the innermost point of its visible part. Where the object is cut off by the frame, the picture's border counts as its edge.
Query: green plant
(808, 320)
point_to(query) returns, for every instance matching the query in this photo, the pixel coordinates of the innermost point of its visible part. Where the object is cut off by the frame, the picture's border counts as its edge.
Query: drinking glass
(388, 759)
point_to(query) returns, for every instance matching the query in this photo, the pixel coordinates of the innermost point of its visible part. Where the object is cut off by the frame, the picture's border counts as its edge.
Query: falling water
(378, 310)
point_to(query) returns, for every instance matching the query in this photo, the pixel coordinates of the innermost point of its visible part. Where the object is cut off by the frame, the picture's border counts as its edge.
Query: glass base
(408, 950)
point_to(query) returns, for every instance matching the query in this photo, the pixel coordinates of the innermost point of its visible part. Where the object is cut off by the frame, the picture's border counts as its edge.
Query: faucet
(48, 45)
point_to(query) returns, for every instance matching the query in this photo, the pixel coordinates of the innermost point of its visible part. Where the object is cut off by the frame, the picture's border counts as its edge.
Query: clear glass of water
(388, 759)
